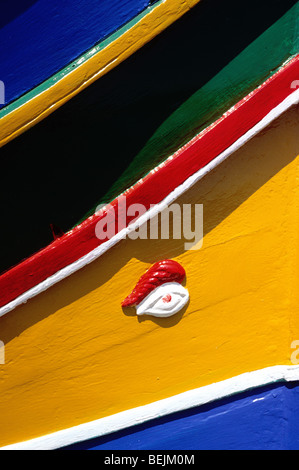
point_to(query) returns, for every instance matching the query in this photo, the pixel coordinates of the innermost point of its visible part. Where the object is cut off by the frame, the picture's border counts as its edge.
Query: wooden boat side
(157, 106)
(80, 246)
(215, 422)
(51, 94)
(79, 366)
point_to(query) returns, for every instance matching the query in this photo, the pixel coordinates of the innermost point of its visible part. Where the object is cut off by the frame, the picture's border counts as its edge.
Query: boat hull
(166, 318)
(74, 355)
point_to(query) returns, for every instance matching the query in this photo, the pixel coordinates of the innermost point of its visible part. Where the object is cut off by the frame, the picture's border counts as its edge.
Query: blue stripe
(38, 38)
(265, 419)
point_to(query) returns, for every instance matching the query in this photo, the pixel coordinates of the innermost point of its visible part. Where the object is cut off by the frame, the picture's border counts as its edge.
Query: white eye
(164, 301)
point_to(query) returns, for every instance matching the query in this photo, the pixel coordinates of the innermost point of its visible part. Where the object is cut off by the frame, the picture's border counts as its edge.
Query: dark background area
(58, 170)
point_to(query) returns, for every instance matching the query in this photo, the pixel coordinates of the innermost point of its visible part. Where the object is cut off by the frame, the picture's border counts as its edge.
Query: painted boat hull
(86, 358)
(151, 120)
(264, 419)
(53, 36)
(81, 370)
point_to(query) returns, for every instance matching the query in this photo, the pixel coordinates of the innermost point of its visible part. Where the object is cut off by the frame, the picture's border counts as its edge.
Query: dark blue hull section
(40, 37)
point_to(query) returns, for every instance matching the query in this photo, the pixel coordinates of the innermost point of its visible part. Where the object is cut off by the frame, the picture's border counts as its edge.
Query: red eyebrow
(158, 274)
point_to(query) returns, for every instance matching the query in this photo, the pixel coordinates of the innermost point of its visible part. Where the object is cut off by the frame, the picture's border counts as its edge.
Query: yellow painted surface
(73, 355)
(48, 101)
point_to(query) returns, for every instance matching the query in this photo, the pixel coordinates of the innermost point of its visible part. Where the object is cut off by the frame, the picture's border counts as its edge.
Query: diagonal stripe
(163, 185)
(143, 414)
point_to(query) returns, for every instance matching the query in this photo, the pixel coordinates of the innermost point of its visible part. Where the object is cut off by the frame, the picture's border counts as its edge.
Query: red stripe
(157, 185)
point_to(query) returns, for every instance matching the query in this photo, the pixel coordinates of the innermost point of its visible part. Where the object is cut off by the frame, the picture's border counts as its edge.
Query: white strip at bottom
(158, 409)
(290, 101)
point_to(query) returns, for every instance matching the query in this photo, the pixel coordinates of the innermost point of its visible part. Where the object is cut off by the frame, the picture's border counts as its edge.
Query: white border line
(290, 101)
(158, 409)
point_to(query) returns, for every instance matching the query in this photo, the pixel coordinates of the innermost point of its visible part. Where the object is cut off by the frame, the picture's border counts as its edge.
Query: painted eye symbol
(164, 301)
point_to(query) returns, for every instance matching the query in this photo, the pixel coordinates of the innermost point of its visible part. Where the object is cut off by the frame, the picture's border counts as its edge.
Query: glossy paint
(158, 274)
(39, 38)
(88, 68)
(192, 399)
(265, 42)
(135, 101)
(73, 355)
(151, 190)
(263, 419)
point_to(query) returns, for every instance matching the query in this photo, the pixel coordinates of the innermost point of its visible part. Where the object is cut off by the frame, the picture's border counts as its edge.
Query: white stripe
(143, 414)
(291, 100)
